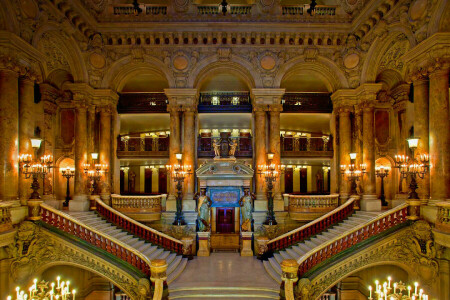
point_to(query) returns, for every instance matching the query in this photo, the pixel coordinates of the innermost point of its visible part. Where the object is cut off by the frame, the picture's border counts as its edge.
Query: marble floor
(224, 270)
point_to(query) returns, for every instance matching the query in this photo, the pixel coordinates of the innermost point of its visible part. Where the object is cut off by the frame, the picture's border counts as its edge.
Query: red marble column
(439, 135)
(80, 151)
(369, 149)
(189, 150)
(104, 147)
(174, 144)
(9, 128)
(260, 148)
(345, 146)
(274, 143)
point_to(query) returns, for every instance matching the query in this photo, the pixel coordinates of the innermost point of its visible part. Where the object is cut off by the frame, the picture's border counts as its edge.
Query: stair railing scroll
(348, 239)
(312, 228)
(138, 229)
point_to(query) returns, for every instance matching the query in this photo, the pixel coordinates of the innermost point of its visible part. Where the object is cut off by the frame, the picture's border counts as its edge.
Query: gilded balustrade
(139, 204)
(443, 217)
(310, 207)
(5, 217)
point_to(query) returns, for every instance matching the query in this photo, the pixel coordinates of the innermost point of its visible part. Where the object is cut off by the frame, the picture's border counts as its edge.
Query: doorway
(303, 180)
(148, 181)
(225, 220)
(289, 181)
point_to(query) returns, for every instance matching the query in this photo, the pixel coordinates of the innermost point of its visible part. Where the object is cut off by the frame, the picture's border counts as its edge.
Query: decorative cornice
(182, 97)
(268, 96)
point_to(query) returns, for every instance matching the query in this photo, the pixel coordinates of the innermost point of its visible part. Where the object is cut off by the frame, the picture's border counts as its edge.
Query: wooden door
(148, 181)
(303, 180)
(289, 181)
(225, 220)
(162, 181)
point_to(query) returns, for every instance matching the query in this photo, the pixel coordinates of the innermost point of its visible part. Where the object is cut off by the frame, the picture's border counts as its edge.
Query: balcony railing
(147, 9)
(206, 146)
(139, 208)
(298, 10)
(234, 9)
(307, 207)
(142, 103)
(5, 217)
(137, 146)
(307, 102)
(219, 102)
(306, 146)
(443, 217)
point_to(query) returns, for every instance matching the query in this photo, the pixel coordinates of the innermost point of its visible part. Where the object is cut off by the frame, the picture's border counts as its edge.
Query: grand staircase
(297, 251)
(223, 293)
(176, 263)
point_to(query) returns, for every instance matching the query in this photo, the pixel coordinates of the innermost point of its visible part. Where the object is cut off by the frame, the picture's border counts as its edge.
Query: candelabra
(94, 173)
(412, 167)
(353, 173)
(35, 168)
(382, 172)
(42, 291)
(270, 172)
(68, 173)
(179, 172)
(398, 292)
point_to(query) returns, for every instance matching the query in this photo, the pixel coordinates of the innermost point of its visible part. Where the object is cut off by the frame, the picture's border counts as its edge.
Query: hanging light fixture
(224, 7)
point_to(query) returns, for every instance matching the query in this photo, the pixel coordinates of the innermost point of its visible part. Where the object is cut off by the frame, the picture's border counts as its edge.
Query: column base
(203, 244)
(278, 205)
(188, 205)
(79, 203)
(57, 204)
(246, 248)
(171, 205)
(343, 198)
(370, 203)
(399, 200)
(106, 198)
(261, 205)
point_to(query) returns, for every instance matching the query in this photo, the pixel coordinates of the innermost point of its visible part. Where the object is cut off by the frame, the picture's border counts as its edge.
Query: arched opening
(58, 77)
(389, 78)
(61, 181)
(384, 163)
(305, 127)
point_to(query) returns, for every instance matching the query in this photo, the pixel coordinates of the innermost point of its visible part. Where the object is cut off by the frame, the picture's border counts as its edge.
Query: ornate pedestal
(203, 243)
(246, 247)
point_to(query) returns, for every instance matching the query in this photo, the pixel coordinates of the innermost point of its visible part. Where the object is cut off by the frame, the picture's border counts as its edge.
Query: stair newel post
(158, 277)
(289, 267)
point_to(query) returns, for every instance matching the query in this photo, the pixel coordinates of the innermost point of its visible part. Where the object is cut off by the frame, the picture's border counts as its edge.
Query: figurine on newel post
(204, 223)
(246, 204)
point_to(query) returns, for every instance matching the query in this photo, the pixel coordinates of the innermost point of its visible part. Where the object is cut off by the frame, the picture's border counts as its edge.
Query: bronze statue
(204, 211)
(246, 203)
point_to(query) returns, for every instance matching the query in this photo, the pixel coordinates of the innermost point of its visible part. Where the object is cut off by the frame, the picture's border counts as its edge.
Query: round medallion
(180, 63)
(417, 9)
(352, 2)
(351, 61)
(97, 60)
(268, 62)
(29, 8)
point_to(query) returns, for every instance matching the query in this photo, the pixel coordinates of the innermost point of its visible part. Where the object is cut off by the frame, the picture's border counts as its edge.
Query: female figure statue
(204, 205)
(246, 203)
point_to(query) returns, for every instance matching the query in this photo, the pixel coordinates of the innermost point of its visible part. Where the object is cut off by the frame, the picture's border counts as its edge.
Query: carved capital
(275, 108)
(344, 109)
(173, 108)
(260, 108)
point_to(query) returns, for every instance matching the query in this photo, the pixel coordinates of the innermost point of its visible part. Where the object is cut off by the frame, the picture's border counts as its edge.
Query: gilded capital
(259, 108)
(275, 108)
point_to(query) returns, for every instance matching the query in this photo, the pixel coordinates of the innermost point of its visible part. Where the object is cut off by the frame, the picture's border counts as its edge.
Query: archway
(389, 183)
(61, 181)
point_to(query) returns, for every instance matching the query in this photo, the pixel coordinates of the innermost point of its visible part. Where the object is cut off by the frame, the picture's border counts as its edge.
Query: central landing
(224, 276)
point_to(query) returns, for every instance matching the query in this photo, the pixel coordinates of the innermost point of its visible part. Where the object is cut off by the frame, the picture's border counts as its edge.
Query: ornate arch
(402, 248)
(37, 249)
(234, 65)
(7, 18)
(125, 68)
(380, 46)
(327, 70)
(439, 21)
(61, 50)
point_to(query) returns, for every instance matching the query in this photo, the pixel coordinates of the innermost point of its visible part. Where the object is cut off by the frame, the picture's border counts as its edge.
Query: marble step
(174, 265)
(178, 270)
(275, 265)
(223, 293)
(275, 276)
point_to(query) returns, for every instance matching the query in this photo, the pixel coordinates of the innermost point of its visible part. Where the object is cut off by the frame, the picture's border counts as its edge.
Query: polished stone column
(49, 146)
(369, 149)
(104, 147)
(358, 136)
(439, 135)
(174, 145)
(189, 150)
(115, 162)
(80, 193)
(274, 147)
(91, 121)
(345, 146)
(421, 130)
(259, 112)
(9, 129)
(26, 131)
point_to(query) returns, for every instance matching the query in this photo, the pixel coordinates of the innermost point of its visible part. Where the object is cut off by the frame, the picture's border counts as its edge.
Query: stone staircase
(222, 293)
(176, 263)
(272, 265)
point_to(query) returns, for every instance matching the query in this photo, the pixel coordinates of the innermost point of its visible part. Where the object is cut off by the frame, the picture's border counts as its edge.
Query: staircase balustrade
(137, 203)
(140, 230)
(315, 204)
(66, 223)
(313, 228)
(443, 217)
(361, 233)
(5, 217)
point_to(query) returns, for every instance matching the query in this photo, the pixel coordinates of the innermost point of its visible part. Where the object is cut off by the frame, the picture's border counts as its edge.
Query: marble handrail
(443, 217)
(306, 202)
(314, 227)
(68, 224)
(138, 228)
(5, 216)
(141, 203)
(348, 239)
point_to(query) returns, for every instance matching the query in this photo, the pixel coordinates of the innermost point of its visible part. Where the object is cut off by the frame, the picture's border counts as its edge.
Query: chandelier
(41, 291)
(352, 173)
(399, 291)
